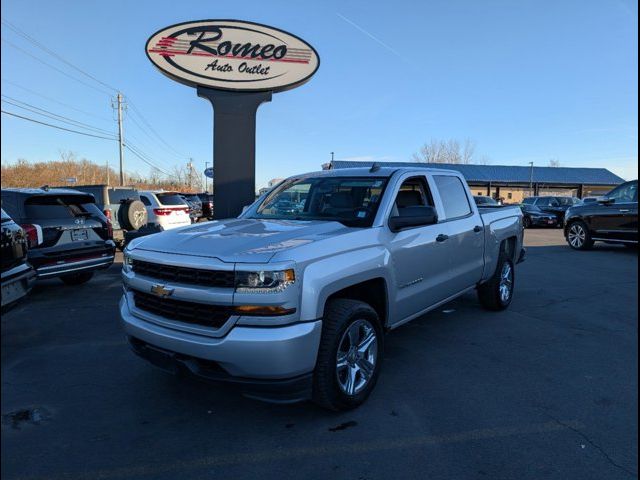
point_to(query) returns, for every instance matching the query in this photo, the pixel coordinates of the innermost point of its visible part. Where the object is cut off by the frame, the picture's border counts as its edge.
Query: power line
(140, 127)
(54, 126)
(54, 54)
(132, 149)
(152, 130)
(13, 45)
(32, 108)
(54, 100)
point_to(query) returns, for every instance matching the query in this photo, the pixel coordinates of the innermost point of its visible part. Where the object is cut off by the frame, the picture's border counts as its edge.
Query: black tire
(132, 215)
(490, 293)
(526, 222)
(341, 314)
(578, 236)
(76, 278)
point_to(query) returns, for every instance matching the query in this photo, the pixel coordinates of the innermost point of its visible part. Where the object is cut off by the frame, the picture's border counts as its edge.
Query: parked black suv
(554, 205)
(207, 205)
(17, 275)
(68, 236)
(612, 219)
(121, 205)
(195, 205)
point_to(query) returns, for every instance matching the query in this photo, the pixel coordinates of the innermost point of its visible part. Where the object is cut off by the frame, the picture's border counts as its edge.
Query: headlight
(264, 281)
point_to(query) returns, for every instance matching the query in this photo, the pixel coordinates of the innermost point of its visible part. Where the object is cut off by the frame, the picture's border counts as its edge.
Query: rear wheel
(76, 278)
(578, 236)
(350, 355)
(496, 294)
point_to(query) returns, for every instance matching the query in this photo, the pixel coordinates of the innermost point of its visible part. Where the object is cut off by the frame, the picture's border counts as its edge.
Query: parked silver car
(294, 304)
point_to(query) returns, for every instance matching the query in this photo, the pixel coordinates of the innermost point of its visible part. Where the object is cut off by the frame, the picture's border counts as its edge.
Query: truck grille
(194, 276)
(212, 316)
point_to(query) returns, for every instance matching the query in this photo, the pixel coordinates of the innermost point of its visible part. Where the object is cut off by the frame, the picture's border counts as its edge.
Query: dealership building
(513, 183)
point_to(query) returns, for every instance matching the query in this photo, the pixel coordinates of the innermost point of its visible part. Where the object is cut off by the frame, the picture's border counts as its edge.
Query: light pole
(531, 178)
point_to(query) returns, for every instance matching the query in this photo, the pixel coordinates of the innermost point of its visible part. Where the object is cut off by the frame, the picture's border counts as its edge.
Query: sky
(526, 81)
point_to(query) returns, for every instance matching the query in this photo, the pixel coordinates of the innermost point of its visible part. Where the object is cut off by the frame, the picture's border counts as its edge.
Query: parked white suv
(166, 209)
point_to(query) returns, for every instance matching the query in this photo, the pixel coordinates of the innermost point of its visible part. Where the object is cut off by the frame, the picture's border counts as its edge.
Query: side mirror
(245, 208)
(417, 216)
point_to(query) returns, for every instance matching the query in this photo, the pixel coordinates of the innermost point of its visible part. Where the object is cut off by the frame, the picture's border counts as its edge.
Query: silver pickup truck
(292, 299)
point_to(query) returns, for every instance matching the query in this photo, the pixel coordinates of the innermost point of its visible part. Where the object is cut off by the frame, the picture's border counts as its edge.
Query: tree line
(70, 170)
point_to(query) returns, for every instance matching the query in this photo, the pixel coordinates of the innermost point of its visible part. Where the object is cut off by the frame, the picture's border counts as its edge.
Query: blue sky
(525, 80)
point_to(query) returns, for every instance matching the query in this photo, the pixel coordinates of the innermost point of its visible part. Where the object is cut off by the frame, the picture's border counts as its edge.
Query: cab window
(413, 193)
(453, 195)
(625, 193)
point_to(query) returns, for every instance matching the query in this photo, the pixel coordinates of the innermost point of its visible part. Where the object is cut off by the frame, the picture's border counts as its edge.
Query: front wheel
(350, 355)
(496, 293)
(578, 236)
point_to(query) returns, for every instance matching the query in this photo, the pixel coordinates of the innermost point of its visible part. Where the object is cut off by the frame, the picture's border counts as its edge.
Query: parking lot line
(280, 454)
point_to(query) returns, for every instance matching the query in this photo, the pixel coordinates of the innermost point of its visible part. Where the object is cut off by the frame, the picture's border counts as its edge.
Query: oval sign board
(208, 172)
(232, 55)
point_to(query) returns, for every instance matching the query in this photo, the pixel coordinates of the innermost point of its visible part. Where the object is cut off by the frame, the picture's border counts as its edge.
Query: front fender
(323, 278)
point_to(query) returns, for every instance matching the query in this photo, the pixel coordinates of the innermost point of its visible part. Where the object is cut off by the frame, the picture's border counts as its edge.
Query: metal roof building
(496, 176)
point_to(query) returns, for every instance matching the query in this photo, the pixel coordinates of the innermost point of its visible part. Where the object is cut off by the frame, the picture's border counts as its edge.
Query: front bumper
(279, 360)
(16, 283)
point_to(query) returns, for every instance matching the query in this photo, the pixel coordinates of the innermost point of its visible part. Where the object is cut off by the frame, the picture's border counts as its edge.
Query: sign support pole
(234, 148)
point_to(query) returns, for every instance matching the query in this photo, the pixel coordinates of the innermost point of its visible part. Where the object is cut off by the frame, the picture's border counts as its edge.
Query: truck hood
(239, 239)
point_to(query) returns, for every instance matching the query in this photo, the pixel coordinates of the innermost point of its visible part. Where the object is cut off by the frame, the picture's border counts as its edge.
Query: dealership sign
(232, 55)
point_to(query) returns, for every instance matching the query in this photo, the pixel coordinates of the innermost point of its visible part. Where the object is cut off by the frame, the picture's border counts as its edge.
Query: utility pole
(332, 156)
(190, 168)
(120, 138)
(531, 178)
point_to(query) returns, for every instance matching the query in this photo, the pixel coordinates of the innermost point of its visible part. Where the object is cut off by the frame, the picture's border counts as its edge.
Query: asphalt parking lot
(547, 389)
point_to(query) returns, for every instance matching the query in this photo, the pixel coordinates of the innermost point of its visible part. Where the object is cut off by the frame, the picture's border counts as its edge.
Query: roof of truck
(366, 171)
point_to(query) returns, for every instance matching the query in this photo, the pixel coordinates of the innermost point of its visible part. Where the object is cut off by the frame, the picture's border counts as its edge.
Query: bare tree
(448, 151)
(554, 162)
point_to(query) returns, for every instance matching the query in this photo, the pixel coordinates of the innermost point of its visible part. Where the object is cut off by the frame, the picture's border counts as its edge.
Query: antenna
(374, 168)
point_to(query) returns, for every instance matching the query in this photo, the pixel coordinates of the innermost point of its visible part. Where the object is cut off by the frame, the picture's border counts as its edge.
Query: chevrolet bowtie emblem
(161, 290)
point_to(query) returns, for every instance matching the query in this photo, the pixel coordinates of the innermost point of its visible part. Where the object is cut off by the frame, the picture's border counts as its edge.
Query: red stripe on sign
(173, 52)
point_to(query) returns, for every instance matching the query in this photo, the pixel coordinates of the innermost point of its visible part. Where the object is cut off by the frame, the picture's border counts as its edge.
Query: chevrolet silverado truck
(293, 304)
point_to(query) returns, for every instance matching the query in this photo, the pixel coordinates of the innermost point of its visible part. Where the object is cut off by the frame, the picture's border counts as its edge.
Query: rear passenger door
(464, 231)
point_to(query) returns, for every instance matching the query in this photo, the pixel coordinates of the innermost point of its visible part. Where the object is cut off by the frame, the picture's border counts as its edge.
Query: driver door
(419, 262)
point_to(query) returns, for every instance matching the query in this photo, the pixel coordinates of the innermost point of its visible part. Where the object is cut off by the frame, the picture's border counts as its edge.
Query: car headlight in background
(264, 281)
(127, 262)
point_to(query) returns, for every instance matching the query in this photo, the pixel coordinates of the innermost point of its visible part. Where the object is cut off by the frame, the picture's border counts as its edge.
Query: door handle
(442, 237)
(625, 210)
(477, 229)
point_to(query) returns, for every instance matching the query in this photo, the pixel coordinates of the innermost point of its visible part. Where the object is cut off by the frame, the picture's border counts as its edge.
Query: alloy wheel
(357, 356)
(577, 235)
(506, 282)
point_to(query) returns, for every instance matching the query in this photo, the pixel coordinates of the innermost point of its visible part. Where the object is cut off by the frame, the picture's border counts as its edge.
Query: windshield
(352, 201)
(567, 201)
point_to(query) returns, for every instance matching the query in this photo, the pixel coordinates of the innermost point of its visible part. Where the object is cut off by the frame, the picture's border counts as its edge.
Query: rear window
(60, 206)
(170, 199)
(117, 195)
(529, 201)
